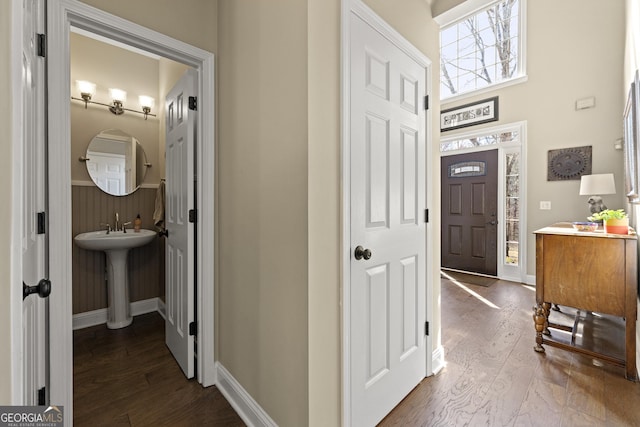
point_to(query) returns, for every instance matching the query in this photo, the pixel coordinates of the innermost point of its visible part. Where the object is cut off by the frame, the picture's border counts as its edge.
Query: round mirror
(116, 162)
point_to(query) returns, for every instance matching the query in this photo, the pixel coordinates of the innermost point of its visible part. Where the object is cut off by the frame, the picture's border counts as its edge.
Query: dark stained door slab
(470, 212)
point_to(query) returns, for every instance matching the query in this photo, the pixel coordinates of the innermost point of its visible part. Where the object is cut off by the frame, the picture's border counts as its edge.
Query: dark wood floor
(492, 376)
(127, 377)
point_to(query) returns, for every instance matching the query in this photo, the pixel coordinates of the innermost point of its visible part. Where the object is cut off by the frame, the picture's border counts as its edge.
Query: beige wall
(263, 269)
(567, 59)
(325, 396)
(191, 21)
(5, 208)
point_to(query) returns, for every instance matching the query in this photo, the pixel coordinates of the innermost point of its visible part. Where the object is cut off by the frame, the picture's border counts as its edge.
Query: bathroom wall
(110, 66)
(90, 207)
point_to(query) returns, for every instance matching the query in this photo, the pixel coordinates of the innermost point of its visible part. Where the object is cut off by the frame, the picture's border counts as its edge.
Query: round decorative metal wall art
(568, 163)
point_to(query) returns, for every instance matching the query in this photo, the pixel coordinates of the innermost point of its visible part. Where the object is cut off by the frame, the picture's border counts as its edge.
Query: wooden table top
(566, 229)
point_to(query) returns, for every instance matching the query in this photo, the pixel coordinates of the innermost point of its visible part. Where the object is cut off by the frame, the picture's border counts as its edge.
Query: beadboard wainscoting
(91, 207)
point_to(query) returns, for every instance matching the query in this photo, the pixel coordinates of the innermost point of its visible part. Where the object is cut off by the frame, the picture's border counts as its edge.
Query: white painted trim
(454, 99)
(438, 359)
(531, 280)
(361, 10)
(84, 183)
(162, 309)
(468, 7)
(99, 317)
(61, 15)
(15, 292)
(247, 408)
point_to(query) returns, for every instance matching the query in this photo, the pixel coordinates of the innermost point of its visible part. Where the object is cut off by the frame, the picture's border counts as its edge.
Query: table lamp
(594, 186)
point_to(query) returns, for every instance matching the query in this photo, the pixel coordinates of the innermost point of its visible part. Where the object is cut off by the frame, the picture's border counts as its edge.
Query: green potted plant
(615, 221)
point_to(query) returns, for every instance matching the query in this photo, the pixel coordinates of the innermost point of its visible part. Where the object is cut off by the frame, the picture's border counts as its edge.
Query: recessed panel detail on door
(455, 239)
(455, 199)
(478, 242)
(377, 294)
(478, 205)
(409, 175)
(377, 75)
(409, 94)
(377, 160)
(409, 305)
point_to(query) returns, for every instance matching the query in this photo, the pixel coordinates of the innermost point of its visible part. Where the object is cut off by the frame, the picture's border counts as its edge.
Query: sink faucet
(108, 227)
(117, 220)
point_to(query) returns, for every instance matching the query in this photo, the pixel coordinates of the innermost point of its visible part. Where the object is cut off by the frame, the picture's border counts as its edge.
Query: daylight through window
(481, 49)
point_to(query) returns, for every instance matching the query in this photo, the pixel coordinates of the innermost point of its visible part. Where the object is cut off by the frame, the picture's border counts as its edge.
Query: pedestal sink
(116, 245)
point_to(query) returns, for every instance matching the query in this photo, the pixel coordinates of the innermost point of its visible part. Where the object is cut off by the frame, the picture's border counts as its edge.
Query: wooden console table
(592, 271)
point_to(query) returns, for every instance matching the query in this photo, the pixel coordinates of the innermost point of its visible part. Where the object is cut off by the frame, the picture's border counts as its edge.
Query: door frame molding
(358, 8)
(60, 16)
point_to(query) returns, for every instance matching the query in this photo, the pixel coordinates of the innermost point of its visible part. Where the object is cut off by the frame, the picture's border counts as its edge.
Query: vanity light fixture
(146, 102)
(87, 90)
(119, 97)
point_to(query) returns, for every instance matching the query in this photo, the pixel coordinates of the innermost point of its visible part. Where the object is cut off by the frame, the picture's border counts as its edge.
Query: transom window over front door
(482, 49)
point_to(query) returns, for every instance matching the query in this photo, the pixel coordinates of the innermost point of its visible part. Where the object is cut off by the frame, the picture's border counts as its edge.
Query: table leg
(540, 324)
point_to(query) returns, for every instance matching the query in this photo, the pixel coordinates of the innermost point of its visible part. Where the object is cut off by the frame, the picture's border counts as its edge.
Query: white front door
(34, 334)
(179, 199)
(387, 155)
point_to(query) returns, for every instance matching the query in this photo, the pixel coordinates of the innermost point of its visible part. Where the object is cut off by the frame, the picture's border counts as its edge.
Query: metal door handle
(164, 233)
(361, 252)
(43, 289)
(493, 222)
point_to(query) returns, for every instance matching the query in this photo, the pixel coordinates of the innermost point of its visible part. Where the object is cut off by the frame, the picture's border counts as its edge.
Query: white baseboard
(247, 408)
(162, 309)
(531, 279)
(437, 358)
(98, 317)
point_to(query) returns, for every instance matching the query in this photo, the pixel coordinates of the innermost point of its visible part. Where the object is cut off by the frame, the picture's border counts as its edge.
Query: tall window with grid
(482, 49)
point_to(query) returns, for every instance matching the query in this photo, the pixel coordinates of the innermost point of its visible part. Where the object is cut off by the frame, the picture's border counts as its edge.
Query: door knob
(43, 289)
(362, 253)
(164, 232)
(493, 222)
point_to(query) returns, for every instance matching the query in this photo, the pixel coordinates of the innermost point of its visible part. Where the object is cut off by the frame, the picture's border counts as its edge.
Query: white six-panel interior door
(33, 201)
(387, 176)
(180, 141)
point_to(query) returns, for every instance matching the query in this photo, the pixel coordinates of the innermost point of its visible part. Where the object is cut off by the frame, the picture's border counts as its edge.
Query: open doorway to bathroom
(117, 184)
(61, 17)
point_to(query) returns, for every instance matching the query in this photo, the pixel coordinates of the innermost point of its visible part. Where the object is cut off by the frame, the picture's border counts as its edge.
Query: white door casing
(62, 14)
(387, 293)
(34, 335)
(180, 141)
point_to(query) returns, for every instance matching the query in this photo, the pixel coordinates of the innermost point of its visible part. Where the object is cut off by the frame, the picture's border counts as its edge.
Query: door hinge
(42, 396)
(193, 328)
(42, 223)
(426, 102)
(193, 103)
(193, 215)
(42, 45)
(426, 215)
(426, 328)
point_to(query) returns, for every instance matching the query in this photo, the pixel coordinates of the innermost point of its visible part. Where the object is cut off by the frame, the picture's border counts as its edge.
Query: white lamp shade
(146, 101)
(118, 94)
(86, 87)
(597, 184)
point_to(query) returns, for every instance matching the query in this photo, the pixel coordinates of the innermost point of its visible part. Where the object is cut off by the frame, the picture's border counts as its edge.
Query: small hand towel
(158, 213)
